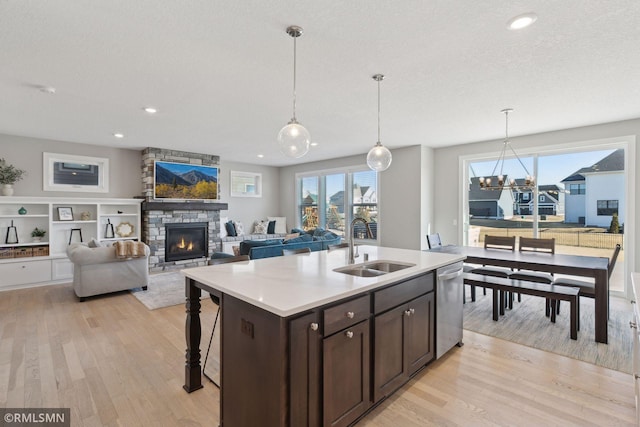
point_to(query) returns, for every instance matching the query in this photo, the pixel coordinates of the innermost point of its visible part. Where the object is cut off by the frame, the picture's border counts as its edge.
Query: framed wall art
(246, 184)
(66, 172)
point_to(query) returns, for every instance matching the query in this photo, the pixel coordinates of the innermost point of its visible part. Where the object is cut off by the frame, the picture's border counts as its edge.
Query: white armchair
(98, 271)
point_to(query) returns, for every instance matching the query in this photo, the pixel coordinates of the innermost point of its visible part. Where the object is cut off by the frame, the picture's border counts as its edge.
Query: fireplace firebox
(187, 240)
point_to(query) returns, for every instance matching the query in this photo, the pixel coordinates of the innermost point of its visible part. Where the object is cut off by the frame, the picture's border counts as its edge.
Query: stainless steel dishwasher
(448, 308)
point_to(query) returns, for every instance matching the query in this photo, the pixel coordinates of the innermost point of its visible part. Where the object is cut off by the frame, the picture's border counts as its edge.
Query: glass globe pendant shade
(294, 140)
(379, 158)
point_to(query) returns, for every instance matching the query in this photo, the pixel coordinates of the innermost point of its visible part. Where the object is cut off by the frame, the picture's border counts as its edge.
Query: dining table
(574, 265)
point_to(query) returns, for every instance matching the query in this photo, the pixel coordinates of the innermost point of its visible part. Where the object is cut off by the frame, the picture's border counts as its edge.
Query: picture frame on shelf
(66, 172)
(124, 229)
(65, 213)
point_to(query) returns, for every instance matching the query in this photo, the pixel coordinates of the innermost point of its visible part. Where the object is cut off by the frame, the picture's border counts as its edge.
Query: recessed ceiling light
(314, 144)
(150, 110)
(48, 89)
(521, 21)
(260, 155)
(118, 135)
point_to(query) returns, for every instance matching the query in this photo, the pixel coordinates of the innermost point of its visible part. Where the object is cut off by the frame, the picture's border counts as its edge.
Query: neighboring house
(364, 194)
(337, 200)
(550, 200)
(596, 192)
(497, 204)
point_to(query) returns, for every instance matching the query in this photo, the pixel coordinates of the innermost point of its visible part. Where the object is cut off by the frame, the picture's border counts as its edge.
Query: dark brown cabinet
(329, 365)
(346, 375)
(305, 370)
(403, 343)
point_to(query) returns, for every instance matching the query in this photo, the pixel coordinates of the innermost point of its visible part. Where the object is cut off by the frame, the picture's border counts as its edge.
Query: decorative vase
(37, 239)
(22, 211)
(7, 189)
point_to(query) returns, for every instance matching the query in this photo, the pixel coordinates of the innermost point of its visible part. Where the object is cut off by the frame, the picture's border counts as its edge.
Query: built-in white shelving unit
(28, 262)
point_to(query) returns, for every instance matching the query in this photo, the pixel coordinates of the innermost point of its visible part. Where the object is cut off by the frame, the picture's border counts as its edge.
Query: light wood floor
(115, 363)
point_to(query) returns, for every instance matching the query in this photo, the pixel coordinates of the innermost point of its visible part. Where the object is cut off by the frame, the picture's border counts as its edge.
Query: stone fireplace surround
(157, 213)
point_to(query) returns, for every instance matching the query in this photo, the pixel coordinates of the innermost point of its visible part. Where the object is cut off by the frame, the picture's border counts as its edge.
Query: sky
(551, 169)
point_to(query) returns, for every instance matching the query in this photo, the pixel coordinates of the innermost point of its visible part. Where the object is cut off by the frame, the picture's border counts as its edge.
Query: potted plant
(38, 234)
(9, 175)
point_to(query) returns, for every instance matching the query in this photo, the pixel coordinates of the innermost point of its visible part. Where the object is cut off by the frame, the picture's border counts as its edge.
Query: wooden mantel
(183, 206)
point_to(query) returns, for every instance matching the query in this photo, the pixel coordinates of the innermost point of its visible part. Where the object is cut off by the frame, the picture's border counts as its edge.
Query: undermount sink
(373, 268)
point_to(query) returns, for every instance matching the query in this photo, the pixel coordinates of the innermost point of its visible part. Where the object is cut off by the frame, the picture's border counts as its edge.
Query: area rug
(164, 290)
(526, 324)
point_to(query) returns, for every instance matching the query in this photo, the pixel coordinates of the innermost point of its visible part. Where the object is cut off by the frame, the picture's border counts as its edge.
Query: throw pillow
(239, 228)
(223, 229)
(291, 236)
(236, 250)
(281, 224)
(260, 227)
(231, 229)
(93, 243)
(298, 230)
(271, 228)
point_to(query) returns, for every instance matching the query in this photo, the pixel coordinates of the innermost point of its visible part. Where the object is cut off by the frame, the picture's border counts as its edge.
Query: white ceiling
(220, 72)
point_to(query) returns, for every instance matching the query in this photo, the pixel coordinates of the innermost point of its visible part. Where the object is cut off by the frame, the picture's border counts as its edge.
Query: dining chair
(588, 288)
(494, 242)
(216, 301)
(287, 252)
(532, 244)
(433, 240)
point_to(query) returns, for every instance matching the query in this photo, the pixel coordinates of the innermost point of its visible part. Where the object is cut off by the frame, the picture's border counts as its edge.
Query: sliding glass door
(579, 200)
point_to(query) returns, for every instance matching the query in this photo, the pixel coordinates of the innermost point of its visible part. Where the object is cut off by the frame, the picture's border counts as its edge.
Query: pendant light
(379, 157)
(294, 139)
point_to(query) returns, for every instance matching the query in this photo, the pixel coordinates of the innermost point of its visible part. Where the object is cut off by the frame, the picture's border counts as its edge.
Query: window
(575, 189)
(308, 206)
(525, 197)
(607, 207)
(324, 201)
(541, 198)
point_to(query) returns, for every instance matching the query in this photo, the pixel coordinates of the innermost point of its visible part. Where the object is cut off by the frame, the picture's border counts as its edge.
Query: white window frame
(627, 142)
(348, 172)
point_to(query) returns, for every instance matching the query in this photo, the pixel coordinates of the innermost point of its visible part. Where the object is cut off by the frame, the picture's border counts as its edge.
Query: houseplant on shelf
(9, 175)
(38, 234)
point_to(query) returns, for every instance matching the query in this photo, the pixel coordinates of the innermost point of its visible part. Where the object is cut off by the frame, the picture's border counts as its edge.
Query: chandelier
(294, 139)
(527, 183)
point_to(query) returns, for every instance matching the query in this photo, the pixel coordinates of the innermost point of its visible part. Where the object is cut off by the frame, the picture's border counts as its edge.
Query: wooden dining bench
(500, 286)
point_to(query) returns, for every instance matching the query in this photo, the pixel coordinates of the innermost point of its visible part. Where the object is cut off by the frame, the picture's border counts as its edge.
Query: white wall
(249, 209)
(26, 153)
(448, 191)
(406, 207)
(574, 206)
(604, 186)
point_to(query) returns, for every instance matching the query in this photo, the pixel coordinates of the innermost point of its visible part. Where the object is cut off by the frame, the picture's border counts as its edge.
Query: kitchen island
(303, 344)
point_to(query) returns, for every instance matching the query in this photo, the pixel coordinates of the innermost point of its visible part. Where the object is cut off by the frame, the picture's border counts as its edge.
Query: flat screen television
(185, 181)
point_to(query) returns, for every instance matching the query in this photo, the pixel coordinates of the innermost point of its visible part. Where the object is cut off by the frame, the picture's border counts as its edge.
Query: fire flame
(184, 245)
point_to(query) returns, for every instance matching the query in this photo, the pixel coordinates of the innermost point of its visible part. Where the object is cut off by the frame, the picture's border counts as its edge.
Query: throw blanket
(129, 249)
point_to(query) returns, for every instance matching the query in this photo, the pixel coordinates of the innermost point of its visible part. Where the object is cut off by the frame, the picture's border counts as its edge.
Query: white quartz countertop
(288, 285)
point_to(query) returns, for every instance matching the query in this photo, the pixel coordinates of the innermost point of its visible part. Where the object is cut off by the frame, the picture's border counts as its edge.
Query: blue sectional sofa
(316, 240)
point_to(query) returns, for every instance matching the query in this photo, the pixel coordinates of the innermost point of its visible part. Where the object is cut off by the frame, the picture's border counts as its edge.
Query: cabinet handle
(350, 314)
(632, 301)
(314, 326)
(636, 377)
(633, 325)
(408, 313)
(349, 334)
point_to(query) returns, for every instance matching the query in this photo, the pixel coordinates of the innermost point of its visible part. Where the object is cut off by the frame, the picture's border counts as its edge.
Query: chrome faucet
(352, 257)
